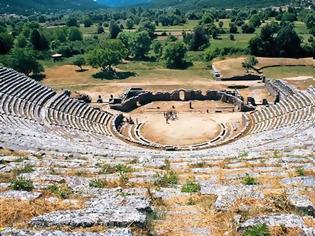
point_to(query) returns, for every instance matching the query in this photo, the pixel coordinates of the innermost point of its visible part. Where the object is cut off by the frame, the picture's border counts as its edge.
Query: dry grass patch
(7, 177)
(17, 213)
(283, 231)
(273, 181)
(79, 173)
(184, 212)
(268, 61)
(11, 152)
(93, 229)
(309, 221)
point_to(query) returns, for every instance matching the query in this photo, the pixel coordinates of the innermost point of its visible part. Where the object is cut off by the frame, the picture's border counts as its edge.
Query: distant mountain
(122, 3)
(29, 6)
(20, 6)
(192, 4)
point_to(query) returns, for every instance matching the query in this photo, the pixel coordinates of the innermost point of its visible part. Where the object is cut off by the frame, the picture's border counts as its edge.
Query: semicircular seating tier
(35, 117)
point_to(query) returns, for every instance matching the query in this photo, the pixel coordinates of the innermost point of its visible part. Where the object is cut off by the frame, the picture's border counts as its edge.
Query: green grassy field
(288, 71)
(241, 41)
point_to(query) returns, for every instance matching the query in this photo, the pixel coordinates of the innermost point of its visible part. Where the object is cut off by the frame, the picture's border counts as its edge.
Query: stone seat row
(25, 98)
(296, 108)
(66, 111)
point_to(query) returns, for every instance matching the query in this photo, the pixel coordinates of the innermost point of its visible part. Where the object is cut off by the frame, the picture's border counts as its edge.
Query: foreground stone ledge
(110, 232)
(20, 195)
(284, 220)
(110, 208)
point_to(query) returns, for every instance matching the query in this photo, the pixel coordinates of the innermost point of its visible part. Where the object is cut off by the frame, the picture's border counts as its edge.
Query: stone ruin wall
(279, 87)
(212, 95)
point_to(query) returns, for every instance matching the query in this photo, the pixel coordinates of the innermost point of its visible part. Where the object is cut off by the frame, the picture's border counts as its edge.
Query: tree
(21, 41)
(129, 23)
(207, 18)
(39, 41)
(249, 63)
(264, 44)
(255, 20)
(149, 27)
(248, 29)
(24, 61)
(140, 44)
(60, 34)
(233, 29)
(310, 22)
(174, 54)
(114, 29)
(74, 34)
(125, 37)
(79, 61)
(107, 54)
(221, 24)
(72, 22)
(6, 43)
(87, 22)
(157, 48)
(198, 40)
(100, 29)
(288, 42)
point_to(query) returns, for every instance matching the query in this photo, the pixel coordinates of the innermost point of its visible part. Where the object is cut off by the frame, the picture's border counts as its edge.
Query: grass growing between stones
(166, 179)
(190, 187)
(108, 169)
(198, 165)
(97, 183)
(62, 191)
(22, 184)
(249, 180)
(300, 171)
(257, 230)
(26, 169)
(17, 213)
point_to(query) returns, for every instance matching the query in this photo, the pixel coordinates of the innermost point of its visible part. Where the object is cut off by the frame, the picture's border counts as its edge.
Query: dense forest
(173, 37)
(28, 7)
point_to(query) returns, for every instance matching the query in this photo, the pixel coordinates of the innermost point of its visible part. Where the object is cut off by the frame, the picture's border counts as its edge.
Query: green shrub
(167, 165)
(166, 179)
(257, 230)
(248, 180)
(300, 171)
(122, 168)
(108, 169)
(62, 191)
(96, 183)
(26, 169)
(22, 184)
(243, 154)
(190, 187)
(276, 154)
(198, 165)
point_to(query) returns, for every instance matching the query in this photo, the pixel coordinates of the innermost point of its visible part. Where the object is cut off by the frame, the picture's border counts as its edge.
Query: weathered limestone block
(20, 195)
(228, 194)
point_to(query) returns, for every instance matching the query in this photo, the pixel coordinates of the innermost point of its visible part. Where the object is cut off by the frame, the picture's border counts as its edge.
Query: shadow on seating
(38, 77)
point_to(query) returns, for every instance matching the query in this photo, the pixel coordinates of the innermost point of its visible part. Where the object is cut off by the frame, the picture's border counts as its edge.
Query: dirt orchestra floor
(193, 126)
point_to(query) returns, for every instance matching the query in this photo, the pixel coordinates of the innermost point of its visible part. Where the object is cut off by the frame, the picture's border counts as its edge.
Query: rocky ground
(62, 194)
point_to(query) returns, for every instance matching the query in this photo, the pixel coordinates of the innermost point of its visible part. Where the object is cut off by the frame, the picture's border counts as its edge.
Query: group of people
(170, 115)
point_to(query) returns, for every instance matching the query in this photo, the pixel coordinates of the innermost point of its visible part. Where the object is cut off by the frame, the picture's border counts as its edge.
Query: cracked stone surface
(20, 195)
(227, 195)
(286, 220)
(112, 208)
(110, 232)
